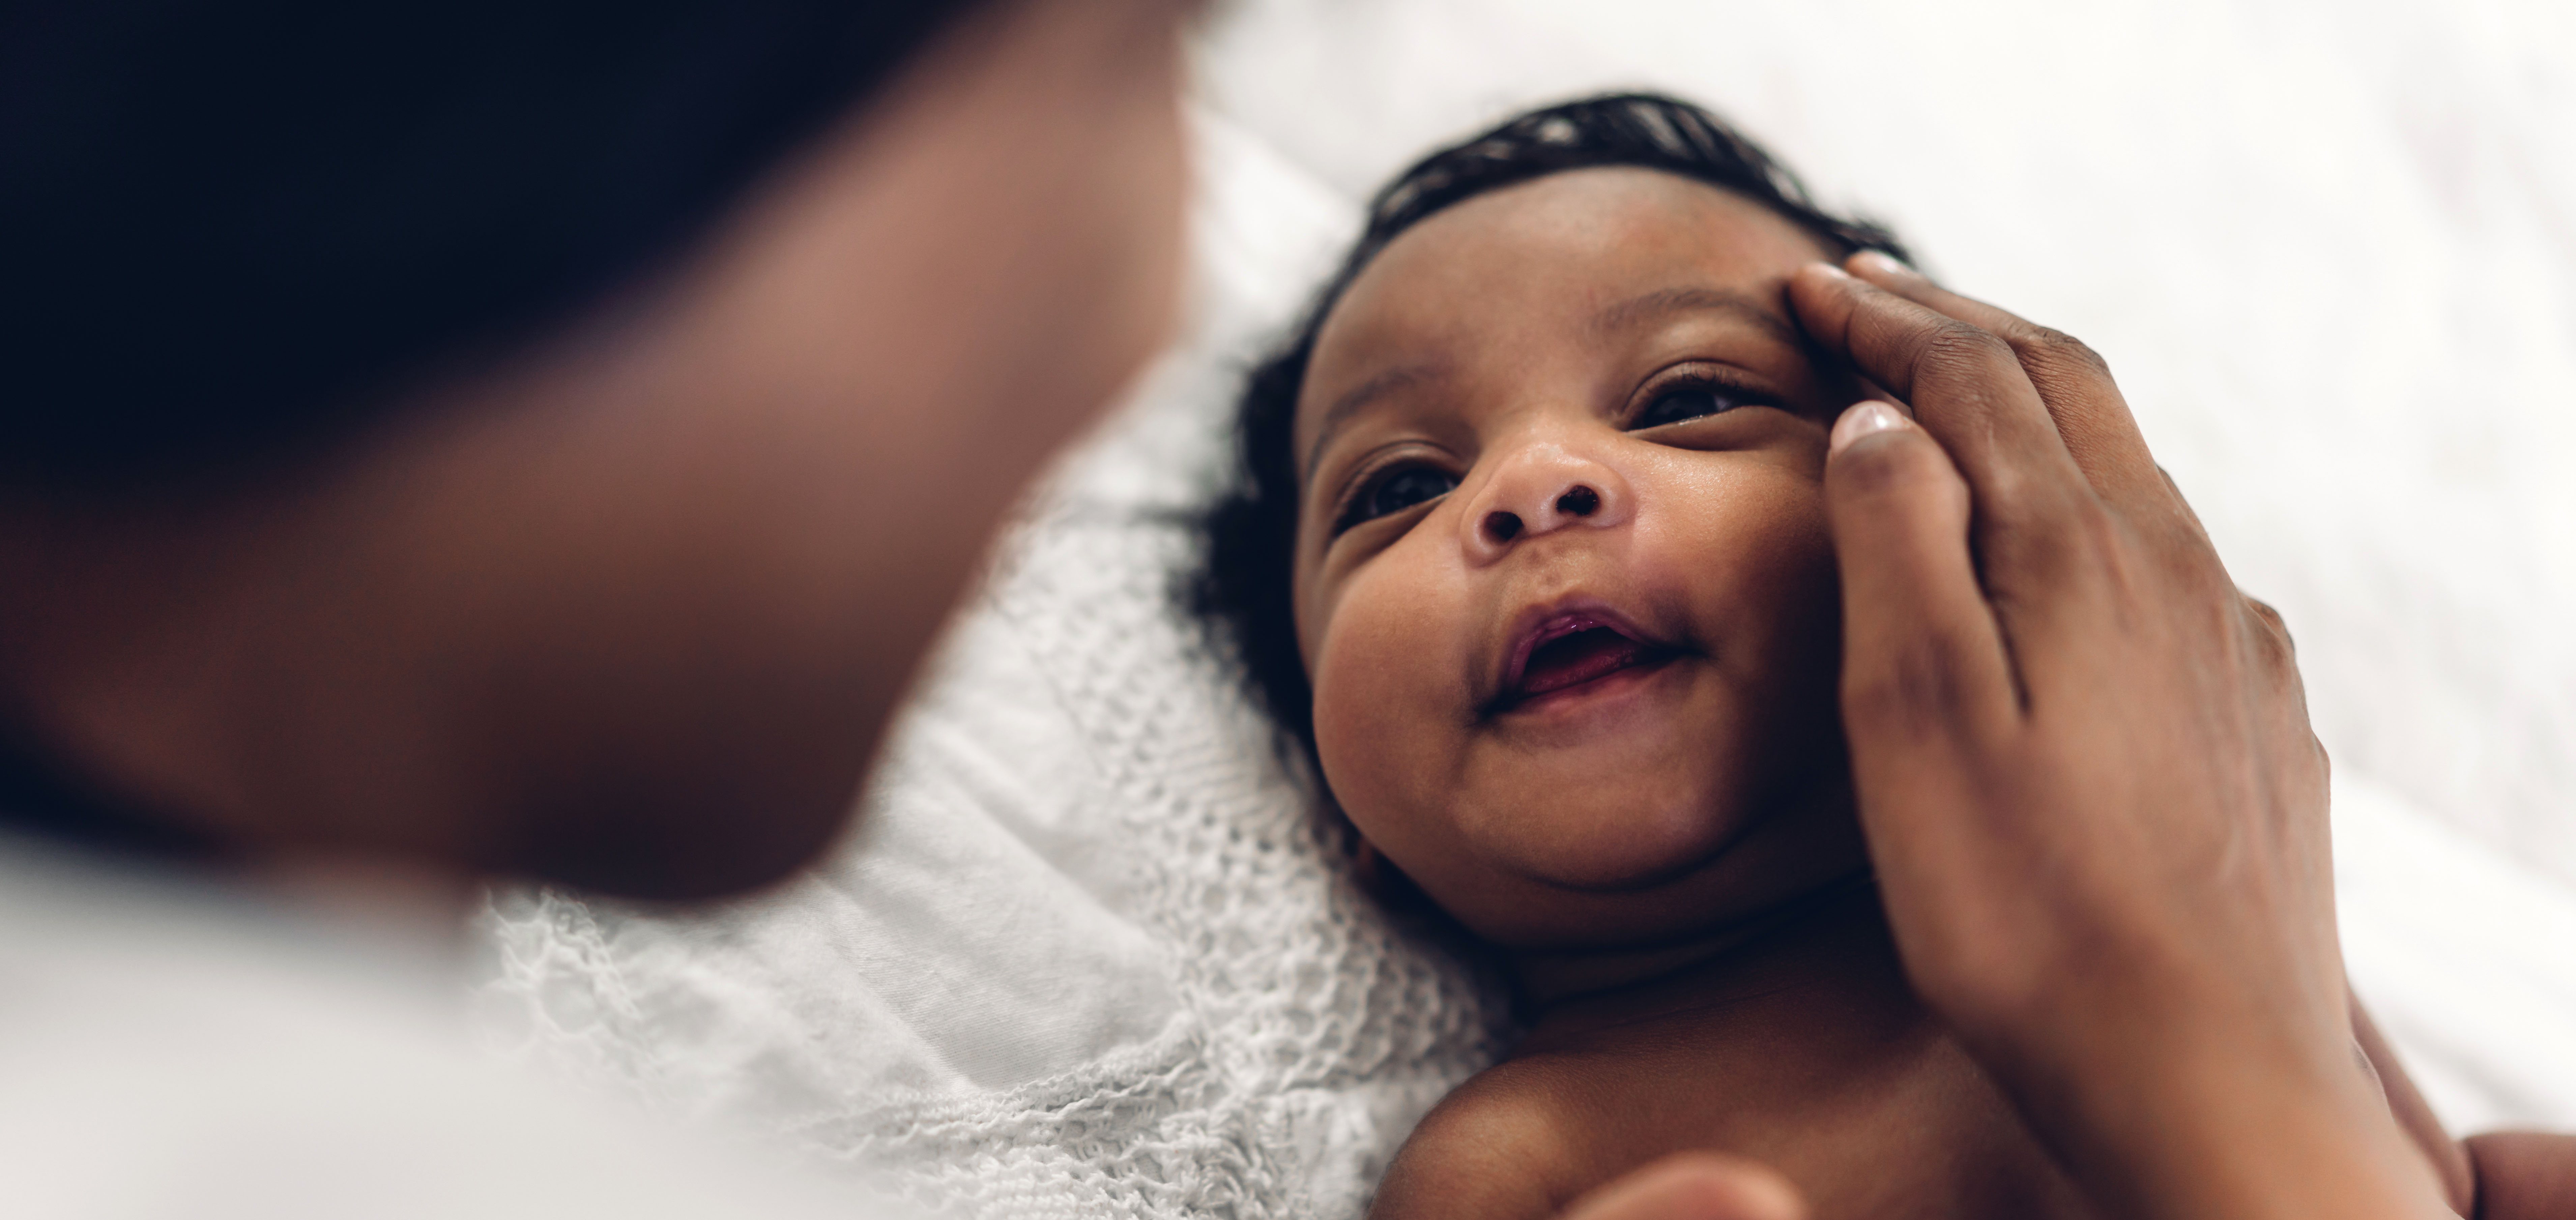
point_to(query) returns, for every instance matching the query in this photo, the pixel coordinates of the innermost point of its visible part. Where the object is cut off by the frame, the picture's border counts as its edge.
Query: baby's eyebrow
(1402, 376)
(1647, 306)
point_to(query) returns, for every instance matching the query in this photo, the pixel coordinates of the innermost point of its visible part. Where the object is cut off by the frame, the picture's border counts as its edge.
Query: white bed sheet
(1089, 956)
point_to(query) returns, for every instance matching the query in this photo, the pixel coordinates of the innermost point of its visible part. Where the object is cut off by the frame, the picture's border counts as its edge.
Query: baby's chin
(1608, 837)
(1653, 860)
(1644, 810)
(1621, 811)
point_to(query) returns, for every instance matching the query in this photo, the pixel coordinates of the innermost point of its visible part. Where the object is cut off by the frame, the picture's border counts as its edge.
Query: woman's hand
(2095, 806)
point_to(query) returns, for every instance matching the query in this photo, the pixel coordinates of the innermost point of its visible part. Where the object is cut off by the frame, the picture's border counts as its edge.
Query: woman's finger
(1966, 387)
(2092, 417)
(1694, 1186)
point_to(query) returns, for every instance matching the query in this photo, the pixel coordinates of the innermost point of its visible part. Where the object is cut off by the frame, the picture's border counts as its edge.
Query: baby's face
(1562, 577)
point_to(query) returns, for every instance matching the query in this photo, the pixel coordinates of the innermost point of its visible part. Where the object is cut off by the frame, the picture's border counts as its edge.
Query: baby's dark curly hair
(1242, 586)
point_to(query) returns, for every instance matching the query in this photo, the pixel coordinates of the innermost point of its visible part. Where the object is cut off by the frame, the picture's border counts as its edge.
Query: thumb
(1923, 658)
(1694, 1186)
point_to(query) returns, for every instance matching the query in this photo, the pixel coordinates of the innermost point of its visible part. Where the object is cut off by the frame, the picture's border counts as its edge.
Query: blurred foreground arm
(1693, 1186)
(2092, 797)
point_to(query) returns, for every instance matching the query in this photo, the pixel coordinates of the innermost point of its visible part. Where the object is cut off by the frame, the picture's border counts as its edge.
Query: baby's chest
(1919, 1135)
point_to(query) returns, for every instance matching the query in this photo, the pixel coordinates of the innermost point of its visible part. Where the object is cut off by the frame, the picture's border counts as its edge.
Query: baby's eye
(1396, 491)
(1691, 402)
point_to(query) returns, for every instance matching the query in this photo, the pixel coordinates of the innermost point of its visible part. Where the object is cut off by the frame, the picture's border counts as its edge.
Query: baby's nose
(1503, 525)
(1539, 491)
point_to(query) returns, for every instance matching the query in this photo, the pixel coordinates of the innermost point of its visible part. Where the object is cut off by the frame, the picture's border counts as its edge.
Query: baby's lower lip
(1601, 659)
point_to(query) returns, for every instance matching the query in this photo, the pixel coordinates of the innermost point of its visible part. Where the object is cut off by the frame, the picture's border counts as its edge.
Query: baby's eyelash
(1358, 505)
(1726, 390)
(1346, 510)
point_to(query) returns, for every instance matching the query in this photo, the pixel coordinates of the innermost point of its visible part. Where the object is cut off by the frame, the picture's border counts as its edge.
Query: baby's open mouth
(1572, 650)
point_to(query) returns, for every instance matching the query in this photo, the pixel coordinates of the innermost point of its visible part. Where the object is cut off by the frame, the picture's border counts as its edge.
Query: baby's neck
(1830, 953)
(1799, 1043)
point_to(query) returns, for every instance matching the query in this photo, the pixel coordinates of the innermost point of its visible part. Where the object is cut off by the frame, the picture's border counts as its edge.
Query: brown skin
(1670, 854)
(632, 610)
(1629, 818)
(2524, 1173)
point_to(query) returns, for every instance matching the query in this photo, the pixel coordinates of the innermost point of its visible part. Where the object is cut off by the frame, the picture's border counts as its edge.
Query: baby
(1531, 556)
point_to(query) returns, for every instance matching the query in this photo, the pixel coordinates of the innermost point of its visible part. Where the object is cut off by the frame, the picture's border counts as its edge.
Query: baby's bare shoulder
(1509, 1144)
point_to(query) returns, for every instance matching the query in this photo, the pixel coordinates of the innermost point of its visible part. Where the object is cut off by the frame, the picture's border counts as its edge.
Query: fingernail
(1862, 420)
(1832, 270)
(1883, 262)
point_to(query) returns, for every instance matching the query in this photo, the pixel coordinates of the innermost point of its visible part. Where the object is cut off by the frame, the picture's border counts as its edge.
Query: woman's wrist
(2263, 1158)
(2206, 1122)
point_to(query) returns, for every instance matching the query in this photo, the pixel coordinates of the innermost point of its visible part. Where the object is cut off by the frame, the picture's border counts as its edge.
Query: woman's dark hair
(237, 225)
(1242, 588)
(235, 228)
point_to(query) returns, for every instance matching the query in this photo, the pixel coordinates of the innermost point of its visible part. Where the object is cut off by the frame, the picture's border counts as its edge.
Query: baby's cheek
(1783, 599)
(1380, 691)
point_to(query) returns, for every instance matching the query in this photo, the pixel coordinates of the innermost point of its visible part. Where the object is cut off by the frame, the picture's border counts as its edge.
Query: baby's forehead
(1532, 259)
(1598, 225)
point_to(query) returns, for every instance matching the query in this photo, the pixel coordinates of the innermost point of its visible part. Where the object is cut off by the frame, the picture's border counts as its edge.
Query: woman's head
(623, 596)
(1534, 501)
